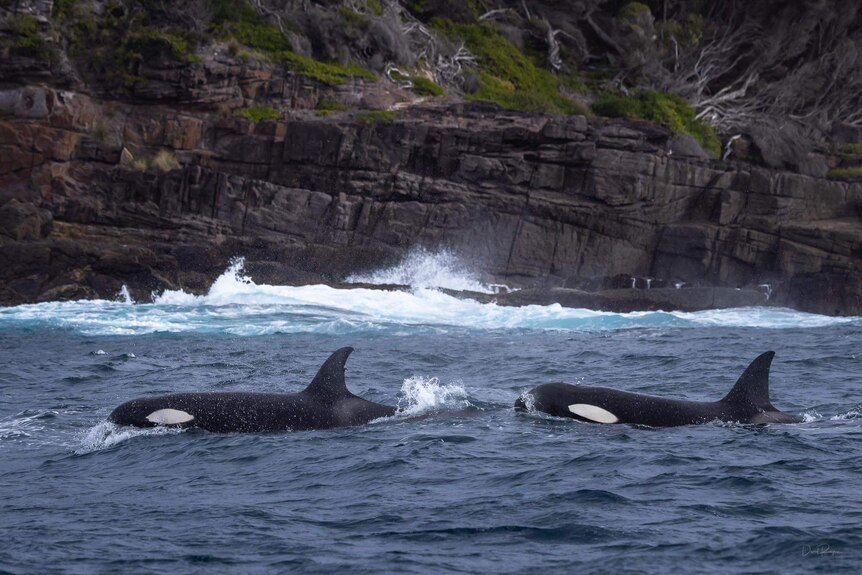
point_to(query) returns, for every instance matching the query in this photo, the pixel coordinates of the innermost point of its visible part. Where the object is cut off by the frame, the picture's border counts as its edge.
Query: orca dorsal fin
(752, 387)
(329, 384)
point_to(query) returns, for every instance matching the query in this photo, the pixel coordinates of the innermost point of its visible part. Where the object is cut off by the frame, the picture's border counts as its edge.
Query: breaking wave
(424, 269)
(237, 305)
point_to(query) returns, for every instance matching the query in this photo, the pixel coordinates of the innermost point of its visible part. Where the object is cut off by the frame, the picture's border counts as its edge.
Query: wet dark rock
(584, 207)
(24, 221)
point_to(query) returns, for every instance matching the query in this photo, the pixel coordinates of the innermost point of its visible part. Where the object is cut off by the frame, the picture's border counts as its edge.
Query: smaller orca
(747, 402)
(324, 404)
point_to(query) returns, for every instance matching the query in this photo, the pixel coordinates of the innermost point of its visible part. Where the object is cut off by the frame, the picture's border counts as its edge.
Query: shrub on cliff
(149, 43)
(507, 76)
(425, 87)
(632, 12)
(668, 109)
(25, 40)
(238, 19)
(327, 107)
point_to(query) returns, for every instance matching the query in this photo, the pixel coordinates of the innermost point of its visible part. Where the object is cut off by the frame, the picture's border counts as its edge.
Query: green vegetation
(631, 11)
(63, 9)
(331, 74)
(375, 116)
(508, 77)
(239, 20)
(149, 43)
(426, 87)
(25, 40)
(354, 18)
(326, 107)
(684, 33)
(113, 46)
(850, 173)
(259, 113)
(462, 11)
(100, 133)
(659, 107)
(375, 7)
(847, 150)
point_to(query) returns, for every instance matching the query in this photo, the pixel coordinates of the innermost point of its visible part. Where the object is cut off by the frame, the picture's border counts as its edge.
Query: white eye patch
(593, 413)
(170, 417)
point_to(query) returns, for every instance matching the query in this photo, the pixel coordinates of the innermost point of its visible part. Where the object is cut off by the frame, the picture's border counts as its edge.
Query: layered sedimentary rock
(86, 205)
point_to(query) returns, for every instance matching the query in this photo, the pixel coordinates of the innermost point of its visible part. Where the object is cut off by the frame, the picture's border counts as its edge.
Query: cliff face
(531, 200)
(157, 185)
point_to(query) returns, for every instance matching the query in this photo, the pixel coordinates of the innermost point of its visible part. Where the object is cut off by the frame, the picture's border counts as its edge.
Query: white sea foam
(811, 416)
(420, 395)
(851, 415)
(106, 434)
(124, 297)
(237, 305)
(768, 317)
(529, 401)
(25, 424)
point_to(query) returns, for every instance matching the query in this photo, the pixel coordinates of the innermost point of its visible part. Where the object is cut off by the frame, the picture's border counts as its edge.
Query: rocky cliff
(159, 190)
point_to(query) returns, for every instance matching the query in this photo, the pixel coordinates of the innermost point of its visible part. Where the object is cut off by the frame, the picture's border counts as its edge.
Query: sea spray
(236, 305)
(425, 269)
(123, 295)
(420, 395)
(105, 434)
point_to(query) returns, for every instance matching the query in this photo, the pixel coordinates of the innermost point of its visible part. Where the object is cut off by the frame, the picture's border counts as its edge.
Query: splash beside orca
(324, 404)
(748, 402)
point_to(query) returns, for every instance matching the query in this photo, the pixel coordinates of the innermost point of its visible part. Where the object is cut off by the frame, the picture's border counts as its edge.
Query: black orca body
(324, 404)
(747, 402)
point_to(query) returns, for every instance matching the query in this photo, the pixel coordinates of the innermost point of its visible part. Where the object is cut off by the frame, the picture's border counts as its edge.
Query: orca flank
(324, 404)
(747, 402)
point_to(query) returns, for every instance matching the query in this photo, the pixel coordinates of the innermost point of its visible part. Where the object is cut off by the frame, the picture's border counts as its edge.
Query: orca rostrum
(748, 402)
(324, 404)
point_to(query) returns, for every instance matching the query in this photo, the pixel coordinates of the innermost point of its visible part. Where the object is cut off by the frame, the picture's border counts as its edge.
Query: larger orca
(747, 402)
(324, 404)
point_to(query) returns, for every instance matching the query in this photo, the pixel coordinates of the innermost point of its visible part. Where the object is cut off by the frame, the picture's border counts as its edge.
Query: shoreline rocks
(94, 195)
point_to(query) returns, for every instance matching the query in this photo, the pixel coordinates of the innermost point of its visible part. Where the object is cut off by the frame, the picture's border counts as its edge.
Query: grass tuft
(850, 173)
(165, 161)
(259, 113)
(425, 87)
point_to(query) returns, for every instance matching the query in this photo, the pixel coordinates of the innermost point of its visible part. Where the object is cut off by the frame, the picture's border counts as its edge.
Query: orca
(324, 404)
(748, 402)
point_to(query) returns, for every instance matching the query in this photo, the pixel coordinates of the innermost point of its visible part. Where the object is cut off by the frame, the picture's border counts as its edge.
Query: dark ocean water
(457, 482)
